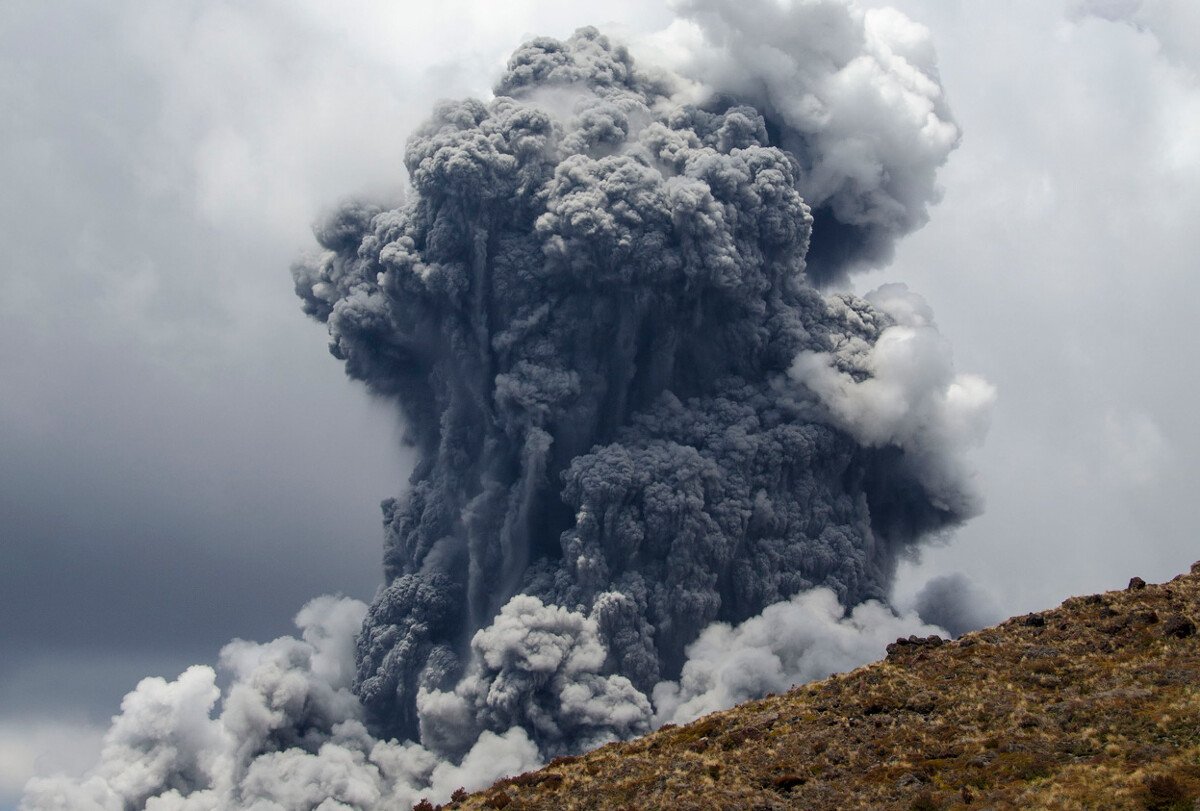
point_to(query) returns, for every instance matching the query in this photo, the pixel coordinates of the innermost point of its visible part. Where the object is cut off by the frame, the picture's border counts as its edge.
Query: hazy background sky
(181, 462)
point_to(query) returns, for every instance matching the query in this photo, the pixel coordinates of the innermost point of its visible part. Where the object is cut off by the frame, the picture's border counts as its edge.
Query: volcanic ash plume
(657, 458)
(636, 413)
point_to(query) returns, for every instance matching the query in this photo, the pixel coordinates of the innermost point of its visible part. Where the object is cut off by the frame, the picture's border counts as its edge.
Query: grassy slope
(1093, 705)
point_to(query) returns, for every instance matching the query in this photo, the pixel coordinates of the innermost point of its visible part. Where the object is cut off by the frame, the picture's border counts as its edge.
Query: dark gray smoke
(628, 398)
(956, 603)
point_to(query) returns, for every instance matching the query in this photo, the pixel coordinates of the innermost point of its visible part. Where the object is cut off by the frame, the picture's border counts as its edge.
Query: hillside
(1094, 704)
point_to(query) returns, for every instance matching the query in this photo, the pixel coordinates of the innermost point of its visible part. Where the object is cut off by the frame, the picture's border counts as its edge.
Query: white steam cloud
(289, 735)
(539, 665)
(902, 390)
(804, 639)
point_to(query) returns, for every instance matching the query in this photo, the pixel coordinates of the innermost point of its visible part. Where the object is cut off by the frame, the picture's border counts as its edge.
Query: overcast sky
(181, 461)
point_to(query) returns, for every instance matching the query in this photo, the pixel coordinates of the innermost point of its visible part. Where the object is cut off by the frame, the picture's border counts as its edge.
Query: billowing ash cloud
(853, 95)
(658, 465)
(636, 414)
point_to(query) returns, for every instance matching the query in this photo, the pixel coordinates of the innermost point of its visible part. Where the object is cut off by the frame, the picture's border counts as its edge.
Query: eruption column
(590, 314)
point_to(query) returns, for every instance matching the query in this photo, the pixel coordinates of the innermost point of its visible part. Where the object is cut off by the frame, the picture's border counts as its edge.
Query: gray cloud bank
(649, 440)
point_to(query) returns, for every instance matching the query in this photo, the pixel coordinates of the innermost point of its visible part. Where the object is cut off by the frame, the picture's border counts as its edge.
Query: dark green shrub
(1165, 793)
